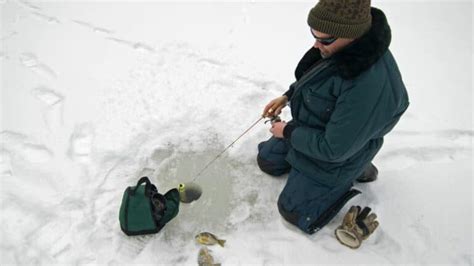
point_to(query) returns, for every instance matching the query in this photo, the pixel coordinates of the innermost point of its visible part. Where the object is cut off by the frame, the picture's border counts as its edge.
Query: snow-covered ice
(96, 94)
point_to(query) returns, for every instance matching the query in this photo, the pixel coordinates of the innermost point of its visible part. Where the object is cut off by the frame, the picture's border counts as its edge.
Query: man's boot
(370, 174)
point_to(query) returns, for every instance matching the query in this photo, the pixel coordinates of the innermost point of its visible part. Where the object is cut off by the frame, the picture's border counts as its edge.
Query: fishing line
(191, 191)
(230, 145)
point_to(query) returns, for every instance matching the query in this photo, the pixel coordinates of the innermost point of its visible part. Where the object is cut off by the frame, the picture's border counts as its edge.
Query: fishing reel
(274, 119)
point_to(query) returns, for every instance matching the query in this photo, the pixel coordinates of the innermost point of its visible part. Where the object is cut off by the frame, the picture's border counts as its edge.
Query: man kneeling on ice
(347, 96)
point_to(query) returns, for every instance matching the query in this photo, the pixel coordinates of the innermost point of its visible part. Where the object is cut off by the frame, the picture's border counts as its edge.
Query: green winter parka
(344, 105)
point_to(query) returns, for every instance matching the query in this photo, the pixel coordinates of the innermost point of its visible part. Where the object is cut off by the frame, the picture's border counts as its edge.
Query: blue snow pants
(303, 202)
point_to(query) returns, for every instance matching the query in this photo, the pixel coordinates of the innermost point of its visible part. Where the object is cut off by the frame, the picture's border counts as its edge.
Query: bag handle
(141, 181)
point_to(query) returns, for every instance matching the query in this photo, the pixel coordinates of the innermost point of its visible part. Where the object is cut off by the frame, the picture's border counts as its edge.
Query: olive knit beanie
(341, 18)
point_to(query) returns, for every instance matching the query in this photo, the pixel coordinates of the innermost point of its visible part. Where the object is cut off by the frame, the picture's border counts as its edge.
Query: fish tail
(221, 242)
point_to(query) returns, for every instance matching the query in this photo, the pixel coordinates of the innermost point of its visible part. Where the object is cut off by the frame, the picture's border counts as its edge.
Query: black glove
(172, 205)
(165, 207)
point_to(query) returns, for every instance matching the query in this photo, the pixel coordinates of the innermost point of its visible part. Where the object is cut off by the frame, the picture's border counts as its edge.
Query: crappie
(207, 238)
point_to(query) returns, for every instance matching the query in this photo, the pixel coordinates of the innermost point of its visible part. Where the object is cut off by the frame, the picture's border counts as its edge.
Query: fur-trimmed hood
(358, 56)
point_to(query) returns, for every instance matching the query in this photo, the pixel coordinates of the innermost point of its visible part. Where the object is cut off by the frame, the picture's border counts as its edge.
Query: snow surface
(94, 95)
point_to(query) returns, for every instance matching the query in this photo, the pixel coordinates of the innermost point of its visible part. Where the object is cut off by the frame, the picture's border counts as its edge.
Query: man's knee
(312, 215)
(271, 168)
(288, 216)
(271, 157)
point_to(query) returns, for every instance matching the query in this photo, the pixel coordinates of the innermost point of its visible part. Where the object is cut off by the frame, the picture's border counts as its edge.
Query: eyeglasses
(324, 41)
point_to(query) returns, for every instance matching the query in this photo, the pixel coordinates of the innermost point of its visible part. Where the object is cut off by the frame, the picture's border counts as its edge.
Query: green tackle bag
(144, 210)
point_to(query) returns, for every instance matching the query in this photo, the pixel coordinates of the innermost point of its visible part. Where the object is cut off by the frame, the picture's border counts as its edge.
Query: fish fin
(221, 242)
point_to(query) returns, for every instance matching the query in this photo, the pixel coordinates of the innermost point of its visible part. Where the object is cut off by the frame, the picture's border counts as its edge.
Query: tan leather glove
(357, 226)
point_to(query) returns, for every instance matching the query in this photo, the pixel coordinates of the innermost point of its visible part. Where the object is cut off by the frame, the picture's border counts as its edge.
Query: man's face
(330, 49)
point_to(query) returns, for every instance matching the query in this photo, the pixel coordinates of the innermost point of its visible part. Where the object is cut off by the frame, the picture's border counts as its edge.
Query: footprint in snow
(36, 153)
(80, 142)
(92, 27)
(139, 46)
(47, 96)
(46, 18)
(45, 71)
(28, 5)
(53, 111)
(102, 30)
(211, 62)
(22, 146)
(31, 61)
(11, 138)
(117, 40)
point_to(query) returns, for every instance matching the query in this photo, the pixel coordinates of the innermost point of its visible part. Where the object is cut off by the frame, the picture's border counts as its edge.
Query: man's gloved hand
(357, 226)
